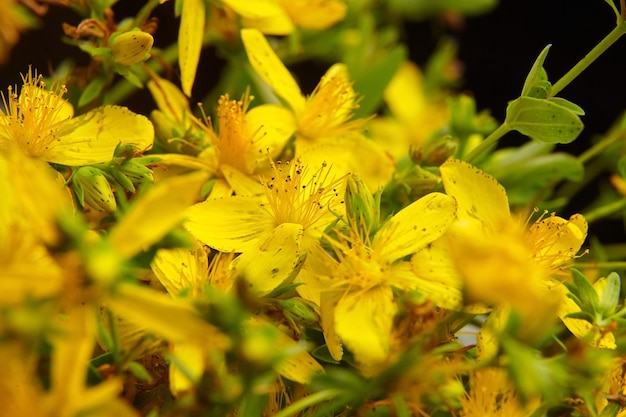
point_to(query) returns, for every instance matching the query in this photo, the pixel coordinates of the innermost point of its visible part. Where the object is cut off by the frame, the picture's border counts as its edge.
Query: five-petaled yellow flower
(42, 123)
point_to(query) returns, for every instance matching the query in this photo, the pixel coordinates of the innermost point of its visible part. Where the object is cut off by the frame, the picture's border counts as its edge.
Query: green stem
(307, 401)
(582, 65)
(606, 210)
(490, 140)
(603, 265)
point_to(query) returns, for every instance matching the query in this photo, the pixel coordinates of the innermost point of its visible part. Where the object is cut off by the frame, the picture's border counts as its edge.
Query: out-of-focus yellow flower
(323, 122)
(33, 199)
(491, 394)
(40, 121)
(282, 17)
(415, 115)
(356, 298)
(504, 263)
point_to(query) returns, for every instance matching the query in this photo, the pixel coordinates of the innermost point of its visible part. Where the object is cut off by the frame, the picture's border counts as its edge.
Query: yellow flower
(323, 123)
(274, 232)
(281, 17)
(491, 394)
(356, 298)
(236, 154)
(504, 263)
(40, 121)
(415, 115)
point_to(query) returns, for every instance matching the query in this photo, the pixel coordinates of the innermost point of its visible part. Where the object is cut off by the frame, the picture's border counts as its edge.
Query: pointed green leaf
(371, 84)
(537, 84)
(585, 292)
(93, 90)
(574, 108)
(543, 120)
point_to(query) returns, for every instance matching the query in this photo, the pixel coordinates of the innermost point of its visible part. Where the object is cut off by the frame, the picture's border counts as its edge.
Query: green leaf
(574, 108)
(93, 90)
(139, 371)
(543, 120)
(527, 170)
(253, 405)
(536, 83)
(322, 354)
(585, 292)
(371, 84)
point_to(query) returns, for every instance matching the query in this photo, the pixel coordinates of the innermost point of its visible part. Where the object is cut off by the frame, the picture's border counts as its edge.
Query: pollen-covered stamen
(359, 268)
(295, 196)
(554, 241)
(234, 143)
(33, 117)
(329, 110)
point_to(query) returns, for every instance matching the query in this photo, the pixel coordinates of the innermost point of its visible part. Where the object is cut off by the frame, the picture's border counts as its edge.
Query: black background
(497, 50)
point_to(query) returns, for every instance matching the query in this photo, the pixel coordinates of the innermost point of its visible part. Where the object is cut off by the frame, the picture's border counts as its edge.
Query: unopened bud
(299, 311)
(362, 208)
(130, 48)
(92, 187)
(434, 152)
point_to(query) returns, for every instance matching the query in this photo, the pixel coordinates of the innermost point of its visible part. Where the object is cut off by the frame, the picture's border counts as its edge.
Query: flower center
(295, 196)
(329, 109)
(234, 143)
(33, 117)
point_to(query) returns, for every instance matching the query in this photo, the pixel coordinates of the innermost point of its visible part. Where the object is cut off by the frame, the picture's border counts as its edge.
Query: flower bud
(362, 208)
(434, 151)
(130, 48)
(299, 310)
(92, 187)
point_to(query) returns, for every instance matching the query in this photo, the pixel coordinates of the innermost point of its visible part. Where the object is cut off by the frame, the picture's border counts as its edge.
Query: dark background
(497, 50)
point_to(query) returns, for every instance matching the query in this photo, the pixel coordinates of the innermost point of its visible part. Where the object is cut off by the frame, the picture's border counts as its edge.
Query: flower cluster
(361, 248)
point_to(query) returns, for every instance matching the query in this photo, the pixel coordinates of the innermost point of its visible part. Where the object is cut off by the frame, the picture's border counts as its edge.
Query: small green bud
(434, 152)
(362, 208)
(130, 48)
(92, 187)
(136, 171)
(299, 311)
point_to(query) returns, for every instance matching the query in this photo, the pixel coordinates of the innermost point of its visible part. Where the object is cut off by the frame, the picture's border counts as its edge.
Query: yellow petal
(72, 351)
(277, 24)
(190, 36)
(328, 302)
(169, 99)
(274, 124)
(230, 224)
(437, 277)
(415, 226)
(156, 212)
(270, 68)
(91, 138)
(275, 259)
(255, 9)
(240, 183)
(191, 357)
(174, 319)
(405, 93)
(316, 14)
(299, 365)
(181, 269)
(363, 322)
(478, 195)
